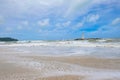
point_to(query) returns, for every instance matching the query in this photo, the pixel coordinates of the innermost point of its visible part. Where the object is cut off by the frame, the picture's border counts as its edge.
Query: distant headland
(8, 39)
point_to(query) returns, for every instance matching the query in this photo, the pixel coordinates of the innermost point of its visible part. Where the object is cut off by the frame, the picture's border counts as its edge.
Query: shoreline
(62, 43)
(18, 65)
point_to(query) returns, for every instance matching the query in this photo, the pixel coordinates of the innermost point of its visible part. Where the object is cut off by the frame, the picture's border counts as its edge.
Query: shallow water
(23, 54)
(103, 52)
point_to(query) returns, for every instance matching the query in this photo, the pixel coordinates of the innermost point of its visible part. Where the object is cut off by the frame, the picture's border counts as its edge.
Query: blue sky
(59, 19)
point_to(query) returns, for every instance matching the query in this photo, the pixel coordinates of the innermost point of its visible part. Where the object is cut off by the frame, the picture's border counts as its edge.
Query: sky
(59, 19)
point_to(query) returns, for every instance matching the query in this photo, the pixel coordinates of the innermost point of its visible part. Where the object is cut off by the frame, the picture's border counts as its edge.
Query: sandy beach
(56, 63)
(59, 39)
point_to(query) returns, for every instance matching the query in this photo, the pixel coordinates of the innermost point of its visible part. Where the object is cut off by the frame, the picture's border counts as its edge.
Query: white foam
(92, 73)
(65, 43)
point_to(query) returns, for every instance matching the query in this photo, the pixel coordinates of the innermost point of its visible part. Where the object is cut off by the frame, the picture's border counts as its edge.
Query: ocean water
(108, 48)
(95, 48)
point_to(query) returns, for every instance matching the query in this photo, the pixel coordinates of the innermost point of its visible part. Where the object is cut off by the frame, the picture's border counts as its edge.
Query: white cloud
(25, 23)
(89, 18)
(116, 21)
(8, 29)
(58, 25)
(108, 30)
(19, 27)
(45, 22)
(80, 7)
(42, 8)
(107, 33)
(1, 19)
(93, 18)
(80, 24)
(63, 24)
(28, 7)
(66, 23)
(74, 5)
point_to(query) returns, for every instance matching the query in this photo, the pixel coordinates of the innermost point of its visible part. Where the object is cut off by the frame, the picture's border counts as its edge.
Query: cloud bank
(57, 19)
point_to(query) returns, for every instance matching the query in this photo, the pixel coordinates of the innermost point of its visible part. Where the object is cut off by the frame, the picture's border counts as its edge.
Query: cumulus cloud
(66, 23)
(74, 14)
(41, 8)
(25, 23)
(80, 24)
(63, 24)
(1, 19)
(19, 27)
(93, 18)
(108, 33)
(108, 30)
(8, 29)
(28, 7)
(22, 25)
(80, 7)
(45, 22)
(75, 5)
(58, 24)
(116, 21)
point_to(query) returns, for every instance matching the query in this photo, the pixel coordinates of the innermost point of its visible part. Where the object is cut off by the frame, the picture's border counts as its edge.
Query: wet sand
(64, 77)
(24, 66)
(85, 61)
